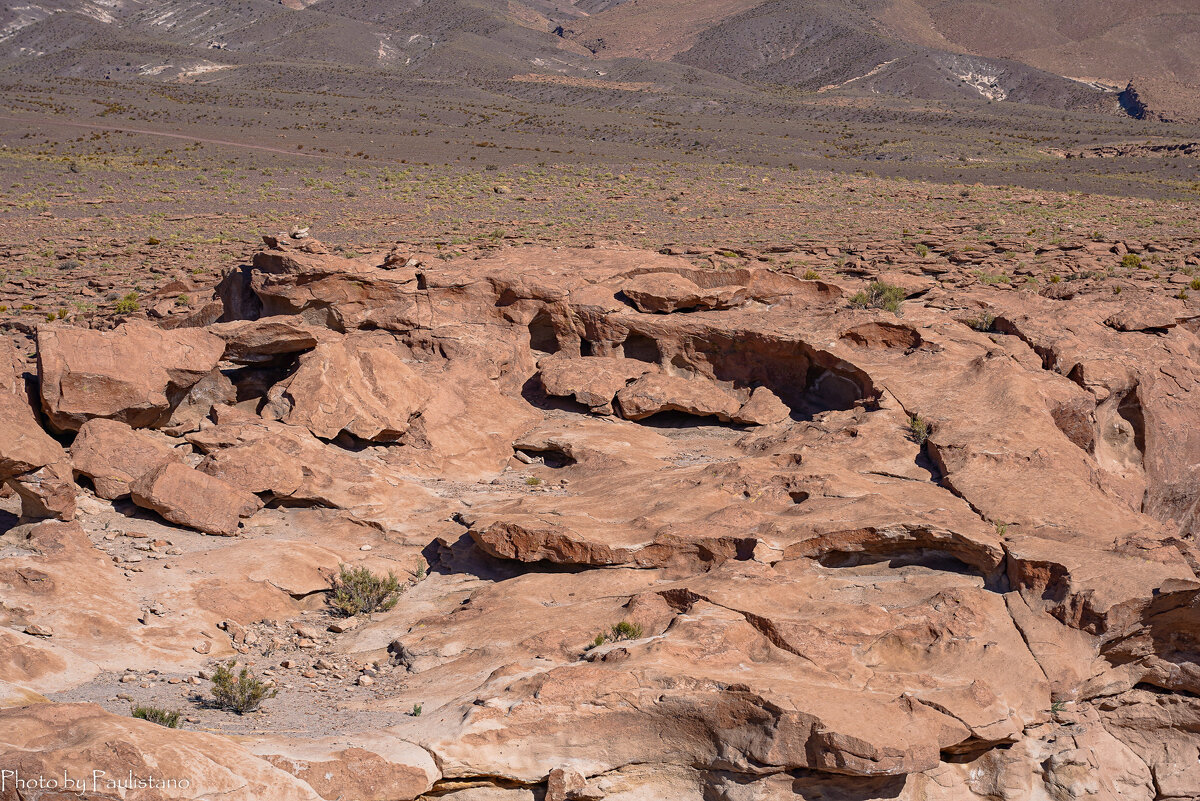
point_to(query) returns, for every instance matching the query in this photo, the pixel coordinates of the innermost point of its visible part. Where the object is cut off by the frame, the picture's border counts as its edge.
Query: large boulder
(24, 446)
(193, 499)
(113, 455)
(670, 292)
(652, 394)
(47, 492)
(33, 463)
(591, 380)
(136, 374)
(257, 341)
(358, 385)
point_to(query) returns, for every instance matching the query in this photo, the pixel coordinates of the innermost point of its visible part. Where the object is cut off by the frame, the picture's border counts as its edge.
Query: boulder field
(664, 533)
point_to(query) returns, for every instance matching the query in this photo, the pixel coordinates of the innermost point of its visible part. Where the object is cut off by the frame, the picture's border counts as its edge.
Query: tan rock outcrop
(85, 743)
(113, 455)
(135, 374)
(193, 499)
(870, 556)
(358, 385)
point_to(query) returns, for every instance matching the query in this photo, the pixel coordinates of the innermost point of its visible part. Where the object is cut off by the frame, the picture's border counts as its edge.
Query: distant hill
(1076, 55)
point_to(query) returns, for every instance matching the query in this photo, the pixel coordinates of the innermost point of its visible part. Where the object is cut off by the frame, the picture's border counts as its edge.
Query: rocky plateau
(937, 549)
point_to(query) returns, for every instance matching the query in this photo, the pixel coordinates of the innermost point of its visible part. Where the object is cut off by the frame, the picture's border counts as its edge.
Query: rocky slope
(960, 51)
(665, 532)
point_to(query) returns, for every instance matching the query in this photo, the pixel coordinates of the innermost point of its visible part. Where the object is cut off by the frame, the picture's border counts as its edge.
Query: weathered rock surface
(113, 455)
(592, 381)
(73, 740)
(136, 374)
(256, 341)
(360, 386)
(378, 768)
(668, 292)
(193, 499)
(779, 547)
(32, 463)
(653, 394)
(24, 446)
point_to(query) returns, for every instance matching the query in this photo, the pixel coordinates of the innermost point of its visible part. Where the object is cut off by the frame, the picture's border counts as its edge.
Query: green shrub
(620, 631)
(417, 710)
(879, 295)
(1195, 285)
(358, 591)
(127, 304)
(625, 631)
(918, 429)
(983, 322)
(239, 692)
(1131, 261)
(162, 717)
(922, 250)
(183, 300)
(811, 275)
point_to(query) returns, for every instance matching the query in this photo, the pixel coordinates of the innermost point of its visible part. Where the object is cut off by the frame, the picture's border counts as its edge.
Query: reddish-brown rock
(358, 385)
(136, 374)
(592, 381)
(657, 393)
(24, 446)
(887, 556)
(33, 463)
(193, 499)
(255, 341)
(113, 455)
(668, 292)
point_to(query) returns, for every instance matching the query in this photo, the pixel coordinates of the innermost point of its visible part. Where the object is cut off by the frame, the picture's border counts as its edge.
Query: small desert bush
(239, 692)
(918, 429)
(162, 717)
(878, 295)
(922, 250)
(127, 304)
(983, 322)
(357, 591)
(620, 631)
(1131, 261)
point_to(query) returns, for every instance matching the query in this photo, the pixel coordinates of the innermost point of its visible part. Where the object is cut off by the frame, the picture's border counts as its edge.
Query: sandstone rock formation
(113, 455)
(194, 499)
(136, 374)
(663, 533)
(32, 463)
(358, 385)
